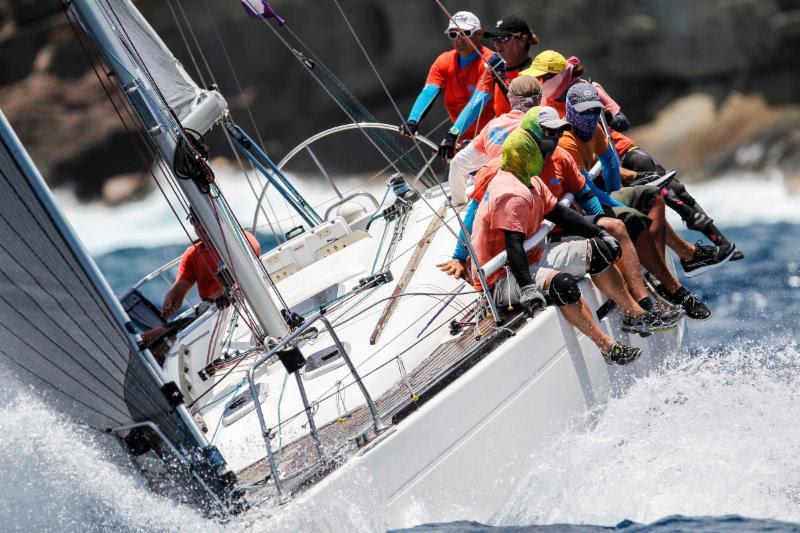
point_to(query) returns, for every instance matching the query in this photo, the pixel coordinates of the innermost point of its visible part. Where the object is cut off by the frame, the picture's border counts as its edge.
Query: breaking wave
(713, 434)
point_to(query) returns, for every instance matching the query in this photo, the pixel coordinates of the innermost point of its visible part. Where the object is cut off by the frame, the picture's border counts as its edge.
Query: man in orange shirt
(586, 143)
(200, 265)
(513, 39)
(556, 74)
(456, 72)
(515, 205)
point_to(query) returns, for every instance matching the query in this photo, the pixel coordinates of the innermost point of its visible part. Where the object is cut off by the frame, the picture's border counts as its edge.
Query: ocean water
(709, 442)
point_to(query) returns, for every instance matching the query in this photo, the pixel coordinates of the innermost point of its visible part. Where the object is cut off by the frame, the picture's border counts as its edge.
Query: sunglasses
(547, 132)
(458, 34)
(546, 143)
(506, 38)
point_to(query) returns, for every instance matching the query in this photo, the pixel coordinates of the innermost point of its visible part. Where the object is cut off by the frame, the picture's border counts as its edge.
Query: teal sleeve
(423, 103)
(469, 219)
(588, 201)
(471, 111)
(611, 175)
(601, 195)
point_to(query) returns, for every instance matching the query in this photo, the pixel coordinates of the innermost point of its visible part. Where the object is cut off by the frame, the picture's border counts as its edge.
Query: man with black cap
(512, 38)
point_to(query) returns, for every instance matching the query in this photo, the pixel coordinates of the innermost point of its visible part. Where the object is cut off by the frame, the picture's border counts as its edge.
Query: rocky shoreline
(715, 81)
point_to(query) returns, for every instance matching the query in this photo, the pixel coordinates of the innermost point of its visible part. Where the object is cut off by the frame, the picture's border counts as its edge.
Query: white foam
(713, 435)
(150, 221)
(742, 199)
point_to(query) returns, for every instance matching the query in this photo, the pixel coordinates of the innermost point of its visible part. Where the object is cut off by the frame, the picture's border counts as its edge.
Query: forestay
(58, 330)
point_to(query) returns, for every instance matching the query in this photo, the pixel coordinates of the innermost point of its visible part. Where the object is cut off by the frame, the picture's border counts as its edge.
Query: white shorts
(571, 257)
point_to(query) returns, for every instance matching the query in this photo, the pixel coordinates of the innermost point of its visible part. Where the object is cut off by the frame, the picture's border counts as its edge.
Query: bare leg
(628, 263)
(684, 250)
(658, 227)
(579, 315)
(610, 282)
(654, 262)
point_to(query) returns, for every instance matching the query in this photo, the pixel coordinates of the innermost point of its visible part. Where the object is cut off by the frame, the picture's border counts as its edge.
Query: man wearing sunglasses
(512, 38)
(456, 72)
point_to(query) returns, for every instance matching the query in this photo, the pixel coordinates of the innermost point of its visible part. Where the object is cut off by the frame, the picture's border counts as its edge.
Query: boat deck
(299, 463)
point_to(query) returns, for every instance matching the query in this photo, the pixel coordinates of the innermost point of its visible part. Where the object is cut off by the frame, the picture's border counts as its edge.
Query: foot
(647, 323)
(694, 307)
(668, 312)
(706, 258)
(619, 354)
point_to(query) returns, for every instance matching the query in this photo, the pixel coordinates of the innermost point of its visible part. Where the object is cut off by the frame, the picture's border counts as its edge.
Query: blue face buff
(583, 125)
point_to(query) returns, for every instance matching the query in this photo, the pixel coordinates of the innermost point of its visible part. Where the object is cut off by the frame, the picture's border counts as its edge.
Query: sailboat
(344, 356)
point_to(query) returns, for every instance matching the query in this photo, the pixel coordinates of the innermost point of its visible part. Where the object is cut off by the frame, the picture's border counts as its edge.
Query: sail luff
(211, 211)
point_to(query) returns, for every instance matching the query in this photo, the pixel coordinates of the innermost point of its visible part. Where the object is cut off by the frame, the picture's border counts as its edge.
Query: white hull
(455, 456)
(458, 456)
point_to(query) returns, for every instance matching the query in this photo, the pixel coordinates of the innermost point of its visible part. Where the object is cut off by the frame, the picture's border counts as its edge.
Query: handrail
(497, 262)
(378, 424)
(156, 272)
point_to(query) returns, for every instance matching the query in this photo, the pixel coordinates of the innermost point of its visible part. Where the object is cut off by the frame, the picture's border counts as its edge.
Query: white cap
(464, 20)
(548, 118)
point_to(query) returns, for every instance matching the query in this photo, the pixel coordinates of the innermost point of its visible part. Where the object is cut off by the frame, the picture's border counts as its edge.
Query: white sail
(180, 92)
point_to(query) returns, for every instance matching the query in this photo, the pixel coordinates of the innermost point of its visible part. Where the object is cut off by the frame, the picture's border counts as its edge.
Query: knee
(615, 227)
(564, 289)
(603, 255)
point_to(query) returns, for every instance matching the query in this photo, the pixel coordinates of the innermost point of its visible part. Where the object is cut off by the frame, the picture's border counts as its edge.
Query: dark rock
(646, 54)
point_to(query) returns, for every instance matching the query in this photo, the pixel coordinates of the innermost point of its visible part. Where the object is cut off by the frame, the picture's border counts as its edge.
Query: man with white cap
(456, 72)
(513, 38)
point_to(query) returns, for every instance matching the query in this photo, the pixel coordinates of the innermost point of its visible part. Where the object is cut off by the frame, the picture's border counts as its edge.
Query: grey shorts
(570, 256)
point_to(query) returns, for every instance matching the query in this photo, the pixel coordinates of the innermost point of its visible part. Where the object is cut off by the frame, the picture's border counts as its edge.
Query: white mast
(225, 236)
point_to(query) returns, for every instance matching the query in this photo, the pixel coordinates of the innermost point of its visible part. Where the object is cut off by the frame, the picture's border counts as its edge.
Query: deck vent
(323, 361)
(242, 403)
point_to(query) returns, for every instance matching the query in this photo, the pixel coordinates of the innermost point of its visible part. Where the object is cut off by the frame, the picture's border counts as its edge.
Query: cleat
(706, 258)
(619, 354)
(737, 255)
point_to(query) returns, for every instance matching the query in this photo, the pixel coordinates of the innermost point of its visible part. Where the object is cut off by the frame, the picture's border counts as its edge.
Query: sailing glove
(410, 128)
(612, 243)
(530, 296)
(447, 148)
(498, 66)
(619, 122)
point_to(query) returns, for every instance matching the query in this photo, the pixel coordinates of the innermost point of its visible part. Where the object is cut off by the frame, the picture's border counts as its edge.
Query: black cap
(508, 25)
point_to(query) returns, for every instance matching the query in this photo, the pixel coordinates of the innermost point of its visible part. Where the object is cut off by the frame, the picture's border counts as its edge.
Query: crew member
(456, 72)
(199, 265)
(512, 211)
(512, 38)
(587, 143)
(557, 74)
